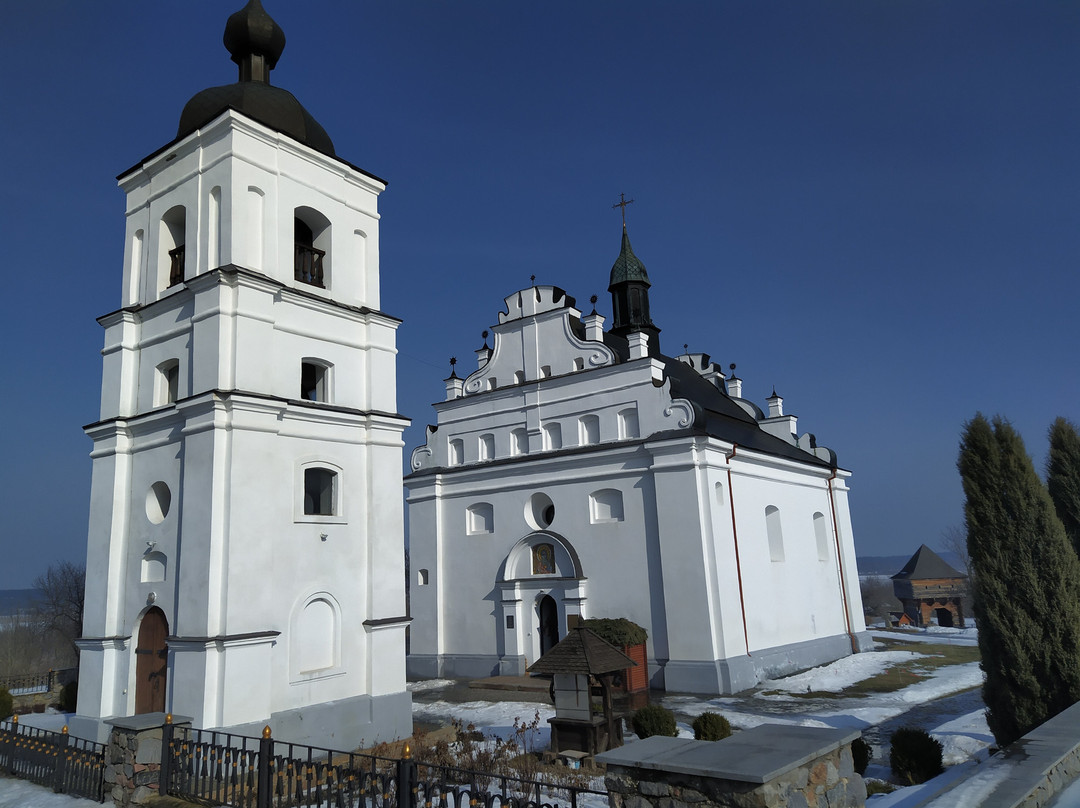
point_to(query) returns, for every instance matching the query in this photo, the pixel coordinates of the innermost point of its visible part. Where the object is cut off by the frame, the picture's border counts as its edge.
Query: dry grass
(899, 676)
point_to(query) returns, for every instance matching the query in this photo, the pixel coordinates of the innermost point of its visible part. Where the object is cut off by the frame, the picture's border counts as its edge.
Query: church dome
(627, 266)
(256, 42)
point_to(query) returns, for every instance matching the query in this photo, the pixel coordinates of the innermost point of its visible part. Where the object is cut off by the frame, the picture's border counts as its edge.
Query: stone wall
(764, 767)
(133, 758)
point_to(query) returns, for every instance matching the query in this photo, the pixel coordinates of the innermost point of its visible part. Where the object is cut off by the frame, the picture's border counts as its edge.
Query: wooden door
(151, 663)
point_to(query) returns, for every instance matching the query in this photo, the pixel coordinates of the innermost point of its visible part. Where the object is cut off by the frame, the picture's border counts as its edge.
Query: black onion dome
(256, 42)
(252, 30)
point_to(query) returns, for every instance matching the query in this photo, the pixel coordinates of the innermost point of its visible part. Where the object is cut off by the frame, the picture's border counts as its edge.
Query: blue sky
(870, 205)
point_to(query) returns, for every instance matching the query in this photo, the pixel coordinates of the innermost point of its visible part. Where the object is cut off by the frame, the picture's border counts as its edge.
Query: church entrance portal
(549, 624)
(151, 661)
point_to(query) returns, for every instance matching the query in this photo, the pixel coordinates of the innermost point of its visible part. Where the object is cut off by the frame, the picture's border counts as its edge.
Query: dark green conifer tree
(1063, 477)
(1027, 583)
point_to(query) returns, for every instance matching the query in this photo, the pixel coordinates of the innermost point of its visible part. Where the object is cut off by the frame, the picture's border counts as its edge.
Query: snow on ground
(934, 634)
(429, 684)
(21, 794)
(841, 674)
(855, 713)
(495, 719)
(963, 738)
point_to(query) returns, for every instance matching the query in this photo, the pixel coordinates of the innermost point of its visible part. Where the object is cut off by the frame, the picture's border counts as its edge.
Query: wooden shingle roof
(581, 651)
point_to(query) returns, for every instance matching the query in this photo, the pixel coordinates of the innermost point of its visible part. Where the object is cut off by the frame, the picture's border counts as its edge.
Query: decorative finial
(686, 347)
(732, 366)
(168, 718)
(266, 731)
(406, 751)
(532, 279)
(593, 300)
(622, 203)
(254, 41)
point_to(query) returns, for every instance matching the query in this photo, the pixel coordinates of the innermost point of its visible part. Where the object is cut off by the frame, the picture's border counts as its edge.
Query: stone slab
(138, 723)
(756, 755)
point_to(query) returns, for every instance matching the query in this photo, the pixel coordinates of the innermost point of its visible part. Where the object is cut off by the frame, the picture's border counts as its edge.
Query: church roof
(926, 564)
(627, 266)
(255, 42)
(582, 651)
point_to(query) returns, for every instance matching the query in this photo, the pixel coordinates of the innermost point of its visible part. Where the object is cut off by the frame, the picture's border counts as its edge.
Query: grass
(901, 675)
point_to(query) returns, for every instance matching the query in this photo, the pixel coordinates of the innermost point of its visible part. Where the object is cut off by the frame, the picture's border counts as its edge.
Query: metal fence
(55, 759)
(27, 683)
(248, 772)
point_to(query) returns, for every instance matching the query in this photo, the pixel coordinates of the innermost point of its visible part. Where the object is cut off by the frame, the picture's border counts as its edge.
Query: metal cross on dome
(622, 203)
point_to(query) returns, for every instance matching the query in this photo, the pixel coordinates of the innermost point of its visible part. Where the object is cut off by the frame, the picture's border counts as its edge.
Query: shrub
(915, 757)
(69, 696)
(861, 752)
(652, 719)
(711, 727)
(616, 630)
(7, 704)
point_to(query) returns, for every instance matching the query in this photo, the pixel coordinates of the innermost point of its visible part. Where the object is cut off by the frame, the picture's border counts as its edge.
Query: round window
(158, 501)
(539, 511)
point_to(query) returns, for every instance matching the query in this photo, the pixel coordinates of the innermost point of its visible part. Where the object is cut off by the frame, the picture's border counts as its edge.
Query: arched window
(628, 423)
(456, 452)
(479, 518)
(545, 371)
(167, 382)
(605, 505)
(579, 363)
(172, 236)
(519, 376)
(552, 436)
(311, 244)
(774, 533)
(315, 380)
(519, 441)
(422, 578)
(588, 430)
(822, 536)
(315, 641)
(487, 446)
(320, 491)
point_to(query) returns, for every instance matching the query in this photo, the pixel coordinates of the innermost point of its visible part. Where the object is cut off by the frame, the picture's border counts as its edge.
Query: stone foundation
(765, 767)
(133, 758)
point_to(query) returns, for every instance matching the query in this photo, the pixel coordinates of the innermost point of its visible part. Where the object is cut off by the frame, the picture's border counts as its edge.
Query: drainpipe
(840, 562)
(735, 536)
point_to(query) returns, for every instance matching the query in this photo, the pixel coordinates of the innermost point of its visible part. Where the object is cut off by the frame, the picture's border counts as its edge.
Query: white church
(580, 473)
(245, 562)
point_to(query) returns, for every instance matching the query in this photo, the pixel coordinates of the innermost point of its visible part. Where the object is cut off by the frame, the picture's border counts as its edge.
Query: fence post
(406, 779)
(61, 761)
(12, 741)
(264, 796)
(165, 772)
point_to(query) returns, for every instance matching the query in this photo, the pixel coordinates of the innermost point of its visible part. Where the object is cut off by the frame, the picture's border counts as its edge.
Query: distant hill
(890, 565)
(13, 601)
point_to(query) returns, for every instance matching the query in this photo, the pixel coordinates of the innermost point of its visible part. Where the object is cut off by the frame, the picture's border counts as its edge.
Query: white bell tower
(245, 558)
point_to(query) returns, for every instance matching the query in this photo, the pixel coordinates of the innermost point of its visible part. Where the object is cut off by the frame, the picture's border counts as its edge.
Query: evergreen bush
(652, 719)
(915, 757)
(616, 630)
(1026, 578)
(861, 752)
(711, 727)
(7, 704)
(69, 696)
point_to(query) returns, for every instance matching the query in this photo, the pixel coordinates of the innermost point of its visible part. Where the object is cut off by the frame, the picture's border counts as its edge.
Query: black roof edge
(235, 269)
(217, 115)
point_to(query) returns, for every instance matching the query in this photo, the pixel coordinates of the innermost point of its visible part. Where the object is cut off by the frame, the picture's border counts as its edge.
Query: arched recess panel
(316, 636)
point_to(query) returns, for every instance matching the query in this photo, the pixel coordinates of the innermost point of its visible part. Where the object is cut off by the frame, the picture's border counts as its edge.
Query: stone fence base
(768, 766)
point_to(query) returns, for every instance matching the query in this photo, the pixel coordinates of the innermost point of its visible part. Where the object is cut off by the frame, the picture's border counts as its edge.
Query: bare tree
(954, 540)
(62, 587)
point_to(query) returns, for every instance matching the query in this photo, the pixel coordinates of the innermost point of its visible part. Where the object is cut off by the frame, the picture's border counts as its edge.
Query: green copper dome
(627, 266)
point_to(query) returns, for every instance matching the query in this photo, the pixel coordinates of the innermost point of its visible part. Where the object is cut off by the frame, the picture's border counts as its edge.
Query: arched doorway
(549, 624)
(151, 662)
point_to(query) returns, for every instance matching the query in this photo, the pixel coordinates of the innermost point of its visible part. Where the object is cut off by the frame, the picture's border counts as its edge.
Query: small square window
(509, 621)
(319, 484)
(314, 382)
